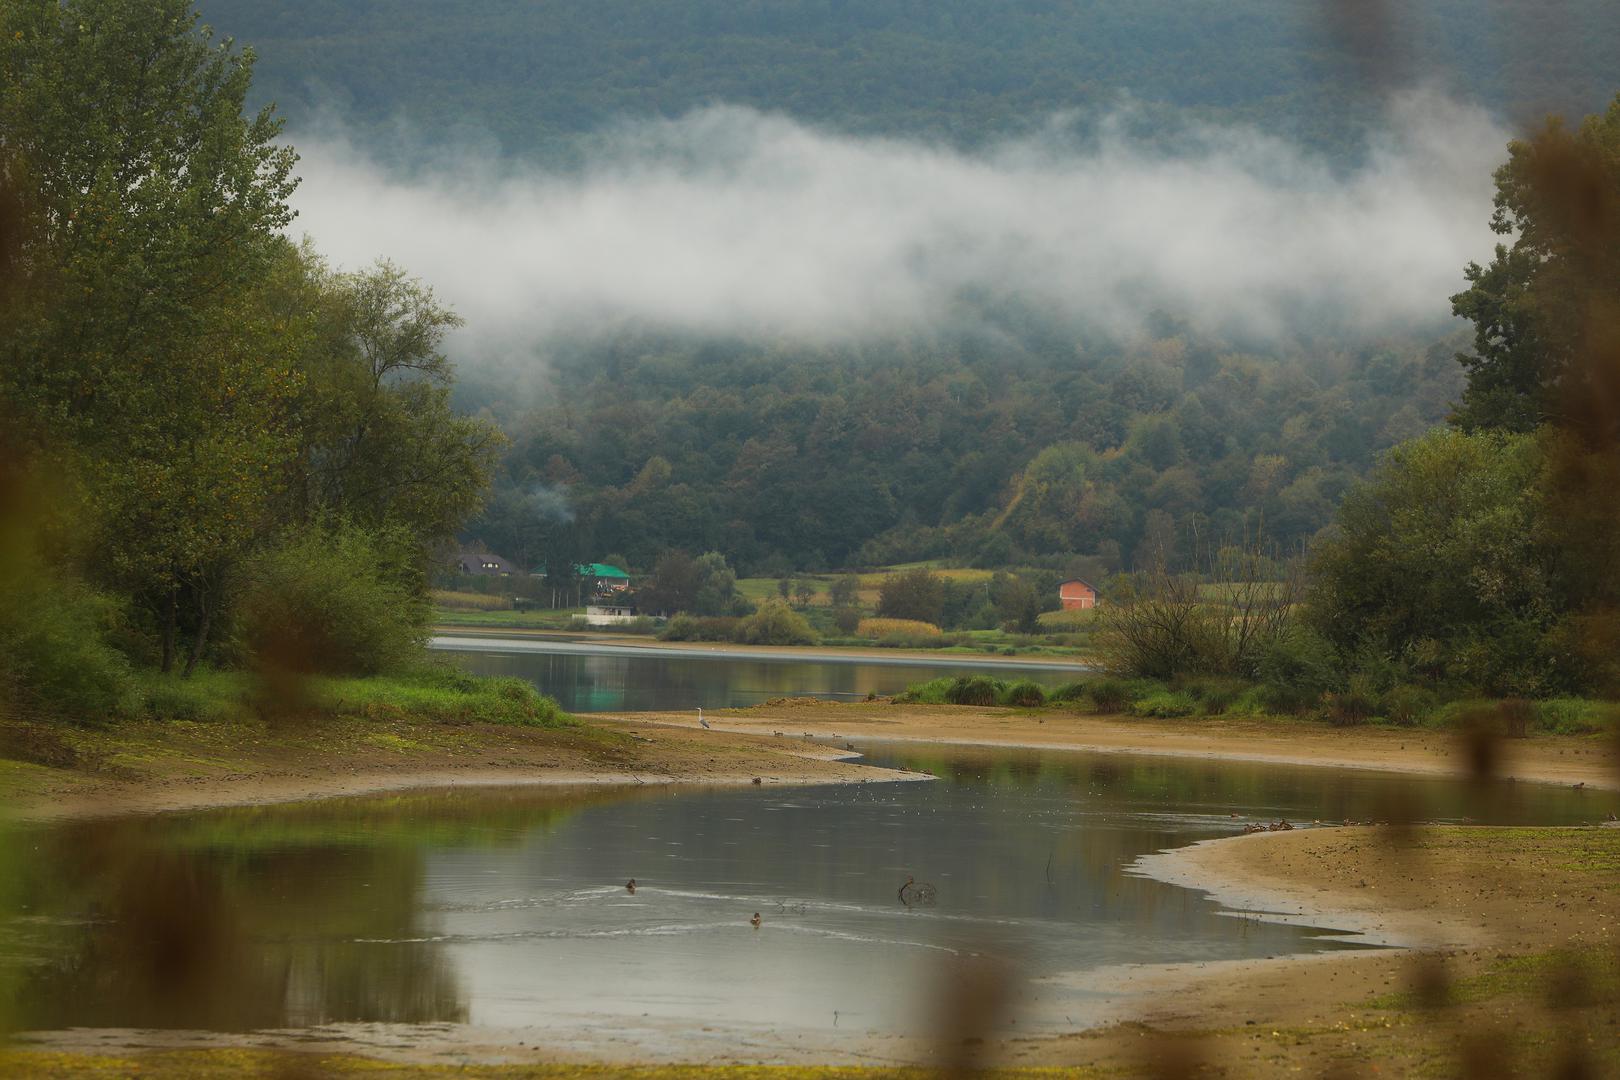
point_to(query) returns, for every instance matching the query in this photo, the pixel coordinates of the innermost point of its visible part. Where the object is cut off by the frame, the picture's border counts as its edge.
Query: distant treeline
(542, 76)
(809, 459)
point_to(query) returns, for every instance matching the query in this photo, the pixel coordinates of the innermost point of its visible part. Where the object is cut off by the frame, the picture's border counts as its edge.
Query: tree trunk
(200, 642)
(170, 614)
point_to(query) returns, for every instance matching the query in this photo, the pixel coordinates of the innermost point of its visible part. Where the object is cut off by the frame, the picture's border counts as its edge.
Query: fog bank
(736, 223)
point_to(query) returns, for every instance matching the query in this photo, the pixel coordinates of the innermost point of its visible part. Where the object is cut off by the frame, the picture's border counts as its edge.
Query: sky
(730, 222)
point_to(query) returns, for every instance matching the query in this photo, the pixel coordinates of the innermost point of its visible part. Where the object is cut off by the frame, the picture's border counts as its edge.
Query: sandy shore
(153, 768)
(1593, 761)
(1491, 920)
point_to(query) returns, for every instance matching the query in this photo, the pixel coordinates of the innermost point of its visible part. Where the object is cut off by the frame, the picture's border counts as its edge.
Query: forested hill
(787, 459)
(537, 75)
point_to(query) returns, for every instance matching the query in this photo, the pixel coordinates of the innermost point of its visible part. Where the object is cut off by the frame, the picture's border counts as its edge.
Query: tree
(140, 331)
(1546, 311)
(1017, 604)
(917, 594)
(717, 587)
(804, 590)
(844, 591)
(673, 586)
(1439, 566)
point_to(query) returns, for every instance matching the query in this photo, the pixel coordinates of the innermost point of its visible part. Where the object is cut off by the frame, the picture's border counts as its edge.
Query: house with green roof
(599, 578)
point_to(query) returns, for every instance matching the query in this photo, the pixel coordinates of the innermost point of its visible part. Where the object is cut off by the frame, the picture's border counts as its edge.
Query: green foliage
(1438, 562)
(335, 600)
(1533, 307)
(443, 695)
(917, 595)
(1025, 694)
(1110, 695)
(975, 690)
(54, 656)
(803, 457)
(1068, 692)
(544, 77)
(1409, 706)
(1165, 705)
(775, 624)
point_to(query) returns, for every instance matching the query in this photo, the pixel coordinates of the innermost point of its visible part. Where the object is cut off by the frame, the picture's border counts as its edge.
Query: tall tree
(1546, 311)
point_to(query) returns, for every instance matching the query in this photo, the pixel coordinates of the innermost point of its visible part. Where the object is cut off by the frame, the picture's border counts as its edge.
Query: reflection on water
(508, 907)
(586, 677)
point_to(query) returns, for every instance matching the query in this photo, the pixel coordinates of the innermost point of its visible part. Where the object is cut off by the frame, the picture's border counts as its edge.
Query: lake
(506, 909)
(587, 676)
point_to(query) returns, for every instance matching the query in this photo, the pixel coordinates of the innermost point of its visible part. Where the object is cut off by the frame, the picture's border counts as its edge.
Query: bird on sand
(755, 921)
(630, 885)
(704, 724)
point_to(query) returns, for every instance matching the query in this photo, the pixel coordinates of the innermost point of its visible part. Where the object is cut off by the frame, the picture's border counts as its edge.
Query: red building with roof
(1075, 594)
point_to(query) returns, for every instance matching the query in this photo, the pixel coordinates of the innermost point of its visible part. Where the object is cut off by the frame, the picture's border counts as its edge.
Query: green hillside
(540, 75)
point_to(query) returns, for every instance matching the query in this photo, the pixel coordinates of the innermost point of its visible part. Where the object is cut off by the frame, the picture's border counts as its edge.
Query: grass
(533, 619)
(433, 694)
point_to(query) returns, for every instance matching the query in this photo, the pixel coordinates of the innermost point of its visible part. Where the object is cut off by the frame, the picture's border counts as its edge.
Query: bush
(1302, 661)
(775, 624)
(847, 619)
(932, 692)
(706, 628)
(54, 655)
(1165, 705)
(1110, 695)
(1216, 695)
(1025, 694)
(338, 600)
(1075, 691)
(443, 695)
(1356, 704)
(881, 628)
(1577, 716)
(974, 690)
(1409, 705)
(1284, 699)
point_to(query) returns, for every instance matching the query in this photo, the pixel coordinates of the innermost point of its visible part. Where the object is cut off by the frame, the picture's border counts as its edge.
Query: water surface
(586, 676)
(507, 907)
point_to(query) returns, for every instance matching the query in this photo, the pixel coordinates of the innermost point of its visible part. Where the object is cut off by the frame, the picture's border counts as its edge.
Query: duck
(630, 886)
(755, 921)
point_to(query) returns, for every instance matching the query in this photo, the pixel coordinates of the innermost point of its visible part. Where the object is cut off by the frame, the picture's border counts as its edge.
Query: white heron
(704, 724)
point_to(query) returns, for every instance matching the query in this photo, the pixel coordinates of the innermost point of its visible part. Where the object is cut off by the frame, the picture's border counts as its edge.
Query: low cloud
(736, 223)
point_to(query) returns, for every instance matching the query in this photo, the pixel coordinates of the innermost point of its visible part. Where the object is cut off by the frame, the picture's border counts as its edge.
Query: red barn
(1075, 594)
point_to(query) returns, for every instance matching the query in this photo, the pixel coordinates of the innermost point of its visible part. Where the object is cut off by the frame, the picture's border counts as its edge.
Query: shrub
(443, 695)
(974, 690)
(879, 628)
(1216, 695)
(1075, 691)
(1575, 716)
(1409, 705)
(54, 656)
(932, 692)
(1356, 704)
(775, 624)
(1303, 661)
(337, 600)
(701, 628)
(1165, 705)
(1284, 699)
(1110, 695)
(847, 619)
(1025, 694)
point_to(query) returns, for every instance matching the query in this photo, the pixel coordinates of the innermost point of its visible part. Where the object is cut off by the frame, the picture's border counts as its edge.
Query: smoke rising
(732, 222)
